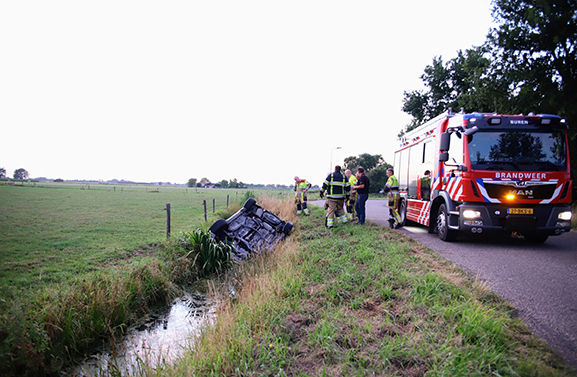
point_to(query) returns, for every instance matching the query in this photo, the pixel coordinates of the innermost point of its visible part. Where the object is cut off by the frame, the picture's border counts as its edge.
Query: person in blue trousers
(362, 189)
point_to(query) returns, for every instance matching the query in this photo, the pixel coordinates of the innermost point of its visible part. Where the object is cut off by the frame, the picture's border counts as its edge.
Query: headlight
(470, 214)
(565, 216)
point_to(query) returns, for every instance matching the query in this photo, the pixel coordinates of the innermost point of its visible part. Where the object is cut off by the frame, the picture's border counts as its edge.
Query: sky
(260, 91)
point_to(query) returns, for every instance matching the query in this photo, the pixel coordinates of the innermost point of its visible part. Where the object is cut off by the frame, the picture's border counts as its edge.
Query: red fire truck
(481, 173)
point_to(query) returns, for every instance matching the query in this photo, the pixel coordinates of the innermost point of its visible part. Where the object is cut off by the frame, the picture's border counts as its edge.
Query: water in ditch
(159, 339)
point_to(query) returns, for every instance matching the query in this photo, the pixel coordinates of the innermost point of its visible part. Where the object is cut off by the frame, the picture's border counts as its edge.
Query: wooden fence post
(167, 220)
(227, 200)
(213, 205)
(204, 204)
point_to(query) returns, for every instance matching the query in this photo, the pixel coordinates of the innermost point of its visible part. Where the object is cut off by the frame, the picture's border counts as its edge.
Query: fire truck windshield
(521, 150)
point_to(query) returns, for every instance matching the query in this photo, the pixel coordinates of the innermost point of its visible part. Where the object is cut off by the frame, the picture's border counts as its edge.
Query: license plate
(520, 211)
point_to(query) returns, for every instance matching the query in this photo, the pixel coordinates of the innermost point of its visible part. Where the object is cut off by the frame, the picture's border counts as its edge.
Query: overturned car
(251, 230)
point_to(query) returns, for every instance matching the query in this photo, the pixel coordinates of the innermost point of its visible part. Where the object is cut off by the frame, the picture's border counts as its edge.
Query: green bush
(208, 254)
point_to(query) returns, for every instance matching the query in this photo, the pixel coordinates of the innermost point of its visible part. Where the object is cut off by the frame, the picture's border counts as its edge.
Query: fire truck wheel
(403, 212)
(536, 238)
(445, 234)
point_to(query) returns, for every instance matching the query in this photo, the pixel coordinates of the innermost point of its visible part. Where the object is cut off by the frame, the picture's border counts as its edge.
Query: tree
(2, 172)
(191, 182)
(468, 81)
(224, 183)
(535, 46)
(21, 174)
(234, 183)
(375, 168)
(367, 161)
(378, 177)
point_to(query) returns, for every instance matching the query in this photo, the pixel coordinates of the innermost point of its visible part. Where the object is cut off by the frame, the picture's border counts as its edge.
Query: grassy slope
(363, 301)
(351, 301)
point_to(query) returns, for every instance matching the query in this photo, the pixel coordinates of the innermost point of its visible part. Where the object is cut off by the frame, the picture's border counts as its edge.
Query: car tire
(219, 229)
(249, 204)
(287, 228)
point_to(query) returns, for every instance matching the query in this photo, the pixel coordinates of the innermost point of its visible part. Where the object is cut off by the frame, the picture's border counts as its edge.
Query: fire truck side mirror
(471, 131)
(444, 156)
(445, 142)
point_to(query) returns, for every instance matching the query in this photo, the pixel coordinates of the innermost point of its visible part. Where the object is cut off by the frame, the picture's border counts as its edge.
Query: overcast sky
(260, 91)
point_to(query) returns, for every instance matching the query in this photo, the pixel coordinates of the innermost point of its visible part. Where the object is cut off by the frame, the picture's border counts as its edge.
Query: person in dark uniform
(362, 189)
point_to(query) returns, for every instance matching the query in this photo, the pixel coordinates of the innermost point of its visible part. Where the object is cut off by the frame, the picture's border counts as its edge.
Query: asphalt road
(539, 280)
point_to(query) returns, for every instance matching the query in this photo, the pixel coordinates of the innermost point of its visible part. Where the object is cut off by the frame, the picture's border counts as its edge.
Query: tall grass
(66, 321)
(361, 301)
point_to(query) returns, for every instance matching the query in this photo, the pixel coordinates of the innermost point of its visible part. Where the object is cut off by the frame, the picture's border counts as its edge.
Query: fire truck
(483, 173)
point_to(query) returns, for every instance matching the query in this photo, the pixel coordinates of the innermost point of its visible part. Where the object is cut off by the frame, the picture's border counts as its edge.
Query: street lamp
(331, 167)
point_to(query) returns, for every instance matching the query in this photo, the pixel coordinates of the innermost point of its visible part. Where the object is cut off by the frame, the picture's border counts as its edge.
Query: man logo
(521, 192)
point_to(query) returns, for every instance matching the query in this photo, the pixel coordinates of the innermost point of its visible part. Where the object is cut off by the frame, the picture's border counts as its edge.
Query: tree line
(205, 182)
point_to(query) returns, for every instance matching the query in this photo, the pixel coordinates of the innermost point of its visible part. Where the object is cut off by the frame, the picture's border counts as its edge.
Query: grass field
(79, 263)
(52, 232)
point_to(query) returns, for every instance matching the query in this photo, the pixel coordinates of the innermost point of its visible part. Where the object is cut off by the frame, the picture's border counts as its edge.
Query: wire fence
(76, 216)
(168, 210)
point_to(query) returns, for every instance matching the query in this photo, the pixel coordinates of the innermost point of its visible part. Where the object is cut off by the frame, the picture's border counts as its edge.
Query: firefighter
(301, 188)
(353, 197)
(337, 189)
(392, 190)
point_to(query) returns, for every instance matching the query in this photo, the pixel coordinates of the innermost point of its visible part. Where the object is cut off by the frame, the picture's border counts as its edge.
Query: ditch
(158, 339)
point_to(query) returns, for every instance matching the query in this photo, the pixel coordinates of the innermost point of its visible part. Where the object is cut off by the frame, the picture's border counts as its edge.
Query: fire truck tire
(403, 212)
(443, 231)
(536, 238)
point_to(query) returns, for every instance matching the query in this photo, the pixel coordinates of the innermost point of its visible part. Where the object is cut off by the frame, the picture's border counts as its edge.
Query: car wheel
(443, 231)
(219, 229)
(218, 226)
(249, 204)
(287, 228)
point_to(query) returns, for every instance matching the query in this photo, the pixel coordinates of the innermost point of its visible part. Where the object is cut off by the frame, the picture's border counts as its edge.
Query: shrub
(208, 254)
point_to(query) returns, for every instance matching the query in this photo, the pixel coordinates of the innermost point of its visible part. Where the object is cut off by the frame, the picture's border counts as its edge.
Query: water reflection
(159, 339)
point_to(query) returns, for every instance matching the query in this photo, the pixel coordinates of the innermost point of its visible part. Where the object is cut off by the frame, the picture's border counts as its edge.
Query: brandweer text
(521, 175)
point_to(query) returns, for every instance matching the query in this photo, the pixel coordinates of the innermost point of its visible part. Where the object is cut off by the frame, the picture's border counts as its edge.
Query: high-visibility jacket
(336, 186)
(393, 184)
(353, 180)
(302, 186)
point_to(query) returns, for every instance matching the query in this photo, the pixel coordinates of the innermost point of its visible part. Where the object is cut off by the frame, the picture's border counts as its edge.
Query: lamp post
(331, 167)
